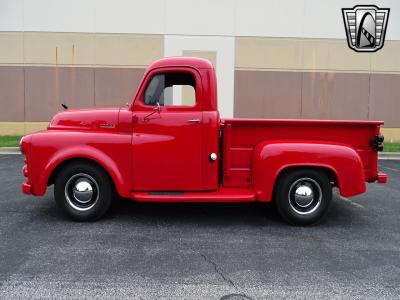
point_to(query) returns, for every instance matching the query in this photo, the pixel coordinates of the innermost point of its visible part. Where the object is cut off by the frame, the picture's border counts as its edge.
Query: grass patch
(391, 147)
(9, 140)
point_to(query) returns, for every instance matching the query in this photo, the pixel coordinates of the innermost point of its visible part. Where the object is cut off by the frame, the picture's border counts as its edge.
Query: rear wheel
(303, 196)
(83, 191)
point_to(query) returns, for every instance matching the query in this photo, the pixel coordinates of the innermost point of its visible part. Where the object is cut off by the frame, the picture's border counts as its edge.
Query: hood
(86, 119)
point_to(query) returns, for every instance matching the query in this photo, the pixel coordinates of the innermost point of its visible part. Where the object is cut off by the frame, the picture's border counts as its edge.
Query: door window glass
(171, 89)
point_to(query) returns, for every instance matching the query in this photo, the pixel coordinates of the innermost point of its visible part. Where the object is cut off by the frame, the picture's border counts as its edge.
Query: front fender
(272, 157)
(111, 151)
(90, 153)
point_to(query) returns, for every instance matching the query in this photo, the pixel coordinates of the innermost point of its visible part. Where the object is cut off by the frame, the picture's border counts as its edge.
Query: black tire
(83, 191)
(303, 196)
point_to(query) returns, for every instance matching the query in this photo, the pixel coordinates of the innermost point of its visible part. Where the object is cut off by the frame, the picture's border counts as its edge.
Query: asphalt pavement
(199, 251)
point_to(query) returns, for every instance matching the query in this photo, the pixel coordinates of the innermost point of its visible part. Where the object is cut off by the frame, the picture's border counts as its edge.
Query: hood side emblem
(107, 125)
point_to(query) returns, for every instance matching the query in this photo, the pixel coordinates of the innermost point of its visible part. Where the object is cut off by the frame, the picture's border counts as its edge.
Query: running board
(220, 195)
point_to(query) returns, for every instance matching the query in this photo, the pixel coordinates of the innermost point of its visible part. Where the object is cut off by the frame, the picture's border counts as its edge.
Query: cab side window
(171, 89)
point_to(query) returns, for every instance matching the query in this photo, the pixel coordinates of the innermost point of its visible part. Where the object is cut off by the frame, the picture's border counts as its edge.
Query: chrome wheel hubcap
(81, 192)
(305, 196)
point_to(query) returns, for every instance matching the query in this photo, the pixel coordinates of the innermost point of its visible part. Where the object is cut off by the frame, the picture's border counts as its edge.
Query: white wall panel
(269, 18)
(130, 16)
(59, 15)
(11, 15)
(323, 19)
(393, 32)
(225, 48)
(303, 18)
(276, 18)
(194, 17)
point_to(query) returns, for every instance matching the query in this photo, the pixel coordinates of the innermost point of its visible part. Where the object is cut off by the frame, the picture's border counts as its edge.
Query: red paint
(382, 178)
(164, 152)
(274, 156)
(219, 195)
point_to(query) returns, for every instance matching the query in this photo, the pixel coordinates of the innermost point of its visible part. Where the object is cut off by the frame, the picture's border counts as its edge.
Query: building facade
(274, 59)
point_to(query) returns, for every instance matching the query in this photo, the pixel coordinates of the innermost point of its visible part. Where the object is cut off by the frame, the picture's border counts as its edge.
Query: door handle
(193, 121)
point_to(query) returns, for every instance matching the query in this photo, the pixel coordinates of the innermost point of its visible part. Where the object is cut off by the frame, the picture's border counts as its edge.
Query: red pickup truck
(170, 145)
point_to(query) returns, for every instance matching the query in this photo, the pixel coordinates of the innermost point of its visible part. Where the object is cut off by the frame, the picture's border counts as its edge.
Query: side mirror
(157, 108)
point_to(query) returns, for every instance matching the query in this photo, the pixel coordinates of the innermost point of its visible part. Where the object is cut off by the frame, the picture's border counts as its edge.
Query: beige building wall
(317, 78)
(39, 71)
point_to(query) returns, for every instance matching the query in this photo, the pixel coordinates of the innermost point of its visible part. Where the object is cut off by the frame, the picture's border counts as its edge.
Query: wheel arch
(72, 160)
(105, 164)
(327, 170)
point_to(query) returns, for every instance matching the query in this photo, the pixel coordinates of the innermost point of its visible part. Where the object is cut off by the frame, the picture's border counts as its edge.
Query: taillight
(377, 142)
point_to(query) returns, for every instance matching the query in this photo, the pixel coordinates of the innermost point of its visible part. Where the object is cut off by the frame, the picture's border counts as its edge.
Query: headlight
(20, 146)
(24, 143)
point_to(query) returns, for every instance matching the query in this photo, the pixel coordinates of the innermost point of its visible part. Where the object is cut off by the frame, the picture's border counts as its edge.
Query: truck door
(167, 132)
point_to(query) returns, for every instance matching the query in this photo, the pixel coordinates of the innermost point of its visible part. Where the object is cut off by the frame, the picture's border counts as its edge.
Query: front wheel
(303, 196)
(83, 191)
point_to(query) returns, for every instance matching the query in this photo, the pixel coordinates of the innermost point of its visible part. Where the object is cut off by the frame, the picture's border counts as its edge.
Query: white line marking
(391, 169)
(10, 153)
(351, 202)
(390, 158)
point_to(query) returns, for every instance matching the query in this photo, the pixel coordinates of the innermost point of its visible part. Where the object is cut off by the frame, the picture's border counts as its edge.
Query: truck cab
(170, 145)
(176, 127)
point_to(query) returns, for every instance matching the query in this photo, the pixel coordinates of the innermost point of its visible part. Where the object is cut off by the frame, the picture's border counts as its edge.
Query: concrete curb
(382, 155)
(389, 155)
(9, 150)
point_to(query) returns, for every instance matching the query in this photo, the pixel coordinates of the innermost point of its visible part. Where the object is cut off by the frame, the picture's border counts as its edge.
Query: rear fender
(271, 158)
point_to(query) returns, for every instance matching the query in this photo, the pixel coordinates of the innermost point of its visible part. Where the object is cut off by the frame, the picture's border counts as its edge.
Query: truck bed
(242, 135)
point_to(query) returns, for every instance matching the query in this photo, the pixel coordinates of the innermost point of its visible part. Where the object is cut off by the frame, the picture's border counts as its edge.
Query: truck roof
(182, 61)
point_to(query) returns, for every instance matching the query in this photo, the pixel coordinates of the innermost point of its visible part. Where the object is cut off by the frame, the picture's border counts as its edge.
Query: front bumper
(24, 146)
(26, 186)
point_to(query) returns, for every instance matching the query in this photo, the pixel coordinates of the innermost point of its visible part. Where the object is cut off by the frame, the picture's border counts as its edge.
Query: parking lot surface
(198, 251)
